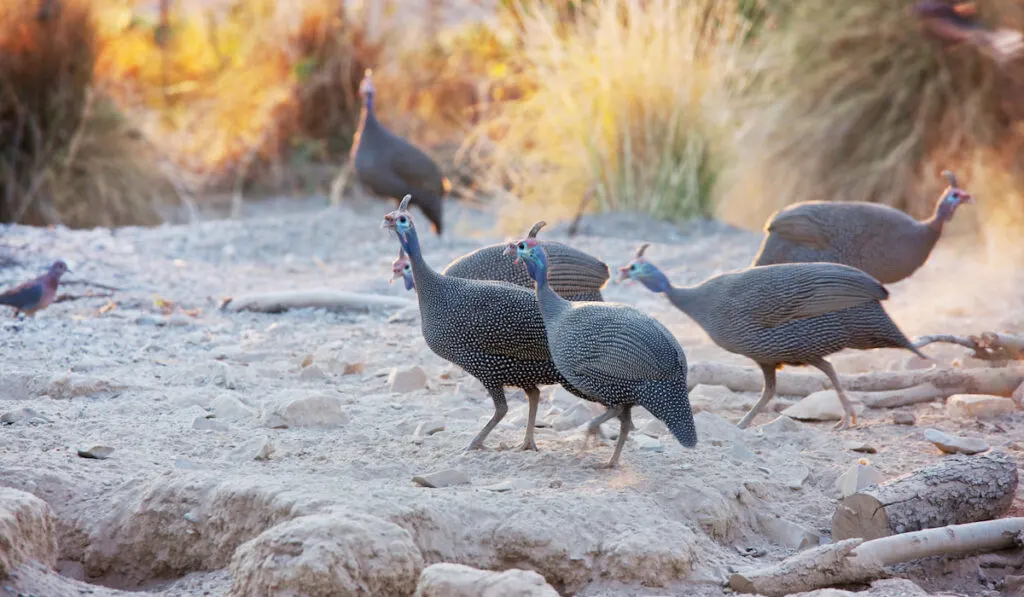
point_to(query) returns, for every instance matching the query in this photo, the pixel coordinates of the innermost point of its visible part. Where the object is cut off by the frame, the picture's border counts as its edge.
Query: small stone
(307, 411)
(822, 405)
(858, 477)
(654, 428)
(647, 443)
(716, 430)
(353, 368)
(578, 414)
(227, 406)
(311, 372)
(978, 406)
(951, 444)
(859, 446)
(410, 379)
(427, 428)
(21, 414)
(96, 452)
(254, 449)
(208, 424)
(903, 417)
(224, 377)
(782, 424)
(788, 534)
(446, 478)
(457, 580)
(797, 477)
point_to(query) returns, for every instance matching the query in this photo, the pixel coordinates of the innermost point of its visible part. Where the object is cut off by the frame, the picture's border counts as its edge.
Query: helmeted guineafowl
(492, 330)
(401, 268)
(788, 314)
(614, 353)
(575, 275)
(883, 241)
(389, 166)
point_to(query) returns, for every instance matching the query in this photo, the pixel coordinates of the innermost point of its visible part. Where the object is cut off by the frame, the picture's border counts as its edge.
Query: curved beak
(623, 274)
(511, 250)
(967, 198)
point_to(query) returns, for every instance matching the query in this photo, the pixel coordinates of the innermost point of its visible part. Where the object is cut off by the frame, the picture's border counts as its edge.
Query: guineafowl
(614, 353)
(787, 314)
(492, 330)
(401, 268)
(389, 166)
(574, 274)
(883, 241)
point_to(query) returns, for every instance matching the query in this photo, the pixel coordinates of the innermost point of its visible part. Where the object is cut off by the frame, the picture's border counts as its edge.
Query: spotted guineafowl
(789, 314)
(389, 166)
(492, 330)
(575, 275)
(401, 268)
(883, 241)
(614, 353)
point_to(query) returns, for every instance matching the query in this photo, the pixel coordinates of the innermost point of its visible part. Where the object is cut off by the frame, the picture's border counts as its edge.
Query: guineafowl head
(952, 198)
(645, 272)
(401, 268)
(530, 252)
(400, 221)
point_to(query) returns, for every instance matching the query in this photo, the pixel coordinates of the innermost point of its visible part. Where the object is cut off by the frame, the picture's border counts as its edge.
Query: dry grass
(622, 98)
(850, 101)
(66, 155)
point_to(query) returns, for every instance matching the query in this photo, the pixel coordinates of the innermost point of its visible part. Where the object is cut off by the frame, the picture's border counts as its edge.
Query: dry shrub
(852, 101)
(66, 156)
(622, 98)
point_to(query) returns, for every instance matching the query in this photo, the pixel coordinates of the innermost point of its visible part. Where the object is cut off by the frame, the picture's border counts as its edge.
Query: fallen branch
(925, 392)
(858, 561)
(989, 346)
(332, 300)
(958, 490)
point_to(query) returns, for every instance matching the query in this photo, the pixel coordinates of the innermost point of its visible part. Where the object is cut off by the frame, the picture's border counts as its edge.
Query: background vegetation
(680, 108)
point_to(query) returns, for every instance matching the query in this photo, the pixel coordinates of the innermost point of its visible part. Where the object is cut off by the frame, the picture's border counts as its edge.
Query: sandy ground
(167, 512)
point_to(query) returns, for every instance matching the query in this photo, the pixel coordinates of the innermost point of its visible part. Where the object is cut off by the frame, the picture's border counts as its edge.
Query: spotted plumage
(36, 294)
(614, 353)
(789, 314)
(492, 330)
(885, 242)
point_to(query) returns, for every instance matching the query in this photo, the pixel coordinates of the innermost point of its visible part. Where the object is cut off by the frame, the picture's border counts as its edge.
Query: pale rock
(426, 429)
(456, 580)
(646, 443)
(228, 407)
(578, 414)
(822, 405)
(715, 430)
(446, 478)
(797, 476)
(654, 428)
(652, 557)
(223, 376)
(327, 555)
(27, 531)
(208, 424)
(22, 414)
(856, 478)
(782, 425)
(952, 444)
(187, 399)
(707, 397)
(338, 358)
(96, 452)
(903, 417)
(859, 446)
(978, 406)
(311, 372)
(787, 534)
(294, 409)
(259, 448)
(409, 379)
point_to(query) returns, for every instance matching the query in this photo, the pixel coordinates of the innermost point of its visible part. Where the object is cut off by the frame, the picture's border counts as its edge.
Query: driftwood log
(857, 561)
(332, 300)
(958, 490)
(892, 386)
(989, 346)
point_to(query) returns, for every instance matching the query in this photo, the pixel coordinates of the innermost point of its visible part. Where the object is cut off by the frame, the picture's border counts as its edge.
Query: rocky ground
(274, 454)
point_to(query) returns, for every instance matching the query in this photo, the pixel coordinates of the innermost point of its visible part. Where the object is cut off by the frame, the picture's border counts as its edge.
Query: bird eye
(632, 267)
(403, 219)
(522, 246)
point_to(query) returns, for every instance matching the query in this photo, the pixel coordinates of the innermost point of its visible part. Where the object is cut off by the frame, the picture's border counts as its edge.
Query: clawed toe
(529, 445)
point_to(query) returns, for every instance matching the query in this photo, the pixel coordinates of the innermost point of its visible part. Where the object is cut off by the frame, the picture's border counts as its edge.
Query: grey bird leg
(766, 395)
(849, 416)
(500, 409)
(627, 424)
(533, 395)
(594, 426)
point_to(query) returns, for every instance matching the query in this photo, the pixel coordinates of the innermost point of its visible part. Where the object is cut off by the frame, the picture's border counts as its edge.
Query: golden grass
(851, 101)
(623, 98)
(66, 155)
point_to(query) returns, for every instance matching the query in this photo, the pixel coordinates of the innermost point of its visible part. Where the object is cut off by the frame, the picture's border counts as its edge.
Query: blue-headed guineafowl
(389, 166)
(883, 241)
(789, 314)
(614, 353)
(492, 330)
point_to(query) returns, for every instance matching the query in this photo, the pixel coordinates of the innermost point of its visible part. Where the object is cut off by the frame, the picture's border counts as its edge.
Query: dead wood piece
(748, 379)
(958, 490)
(989, 346)
(332, 300)
(925, 392)
(857, 561)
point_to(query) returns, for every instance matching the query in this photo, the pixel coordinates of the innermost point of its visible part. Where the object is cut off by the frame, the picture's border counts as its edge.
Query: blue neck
(411, 245)
(368, 102)
(656, 281)
(538, 267)
(409, 281)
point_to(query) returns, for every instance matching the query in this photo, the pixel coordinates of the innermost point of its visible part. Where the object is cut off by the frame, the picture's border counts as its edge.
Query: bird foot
(475, 445)
(529, 445)
(846, 422)
(606, 465)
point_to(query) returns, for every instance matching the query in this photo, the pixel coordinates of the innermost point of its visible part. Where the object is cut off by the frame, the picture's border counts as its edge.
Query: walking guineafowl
(492, 330)
(389, 166)
(614, 353)
(575, 275)
(788, 314)
(883, 241)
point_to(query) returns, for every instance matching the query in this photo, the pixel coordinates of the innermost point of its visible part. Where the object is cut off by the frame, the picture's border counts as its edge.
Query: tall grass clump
(853, 101)
(622, 99)
(66, 154)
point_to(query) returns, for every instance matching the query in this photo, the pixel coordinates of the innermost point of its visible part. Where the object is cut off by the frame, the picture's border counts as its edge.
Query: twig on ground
(332, 300)
(989, 346)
